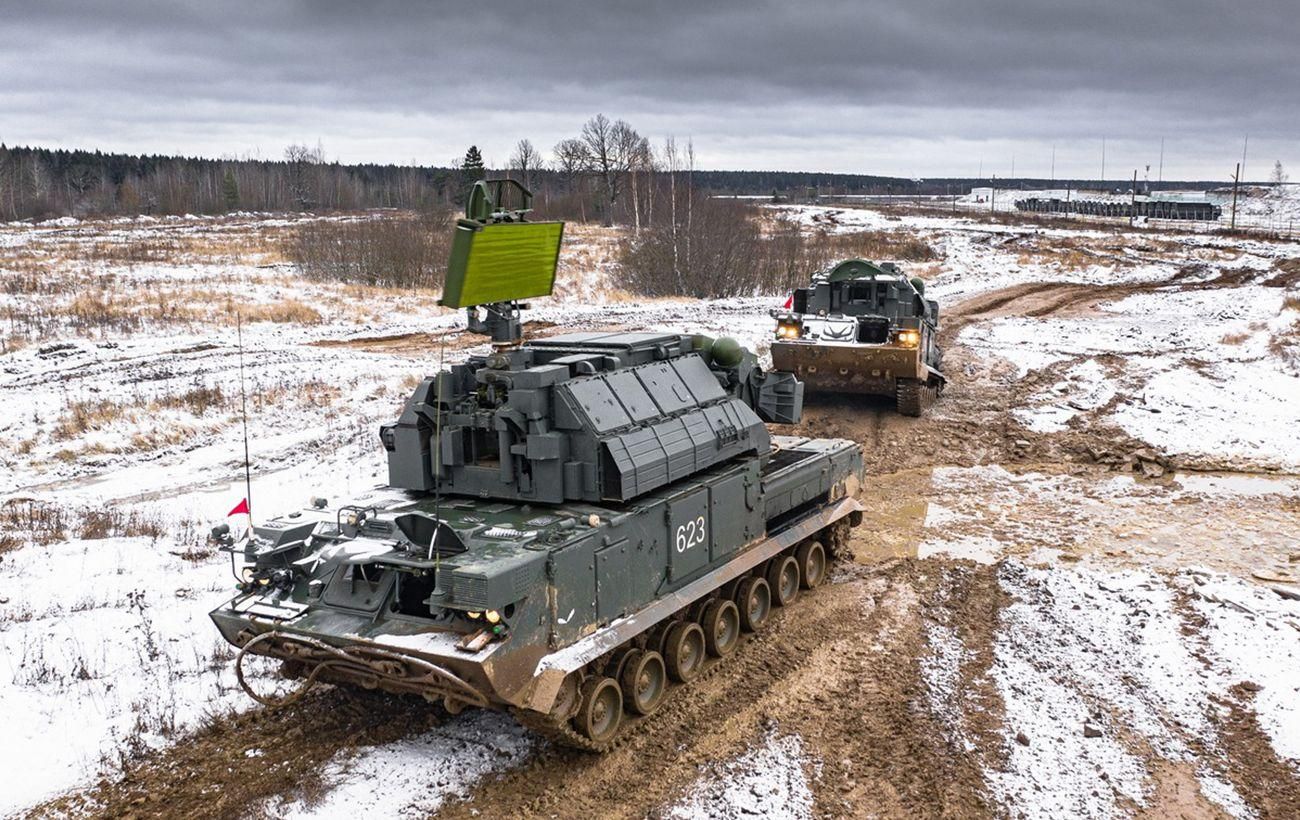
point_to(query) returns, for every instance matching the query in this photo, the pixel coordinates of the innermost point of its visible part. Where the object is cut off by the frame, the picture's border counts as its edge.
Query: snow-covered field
(121, 444)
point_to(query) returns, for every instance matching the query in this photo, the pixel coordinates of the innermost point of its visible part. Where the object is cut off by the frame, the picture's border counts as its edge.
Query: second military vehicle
(591, 519)
(862, 327)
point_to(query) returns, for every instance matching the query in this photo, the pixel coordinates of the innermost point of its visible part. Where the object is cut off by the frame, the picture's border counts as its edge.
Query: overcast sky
(908, 87)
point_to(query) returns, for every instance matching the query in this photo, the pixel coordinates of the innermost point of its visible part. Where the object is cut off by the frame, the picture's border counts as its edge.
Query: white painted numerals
(690, 534)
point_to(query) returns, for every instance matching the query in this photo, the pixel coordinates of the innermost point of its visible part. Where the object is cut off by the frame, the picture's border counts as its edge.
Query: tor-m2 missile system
(863, 328)
(592, 519)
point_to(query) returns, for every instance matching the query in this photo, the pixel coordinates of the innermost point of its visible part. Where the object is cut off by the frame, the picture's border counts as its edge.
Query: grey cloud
(816, 85)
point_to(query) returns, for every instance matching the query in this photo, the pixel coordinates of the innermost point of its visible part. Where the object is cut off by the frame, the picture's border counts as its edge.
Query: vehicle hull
(847, 367)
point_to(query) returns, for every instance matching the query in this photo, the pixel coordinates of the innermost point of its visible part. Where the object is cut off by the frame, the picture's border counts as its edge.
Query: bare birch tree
(610, 148)
(525, 161)
(571, 162)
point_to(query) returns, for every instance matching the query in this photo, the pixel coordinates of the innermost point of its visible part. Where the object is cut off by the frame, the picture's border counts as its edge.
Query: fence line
(1284, 227)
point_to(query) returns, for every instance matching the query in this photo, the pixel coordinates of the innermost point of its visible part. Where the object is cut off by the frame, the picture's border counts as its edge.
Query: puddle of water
(895, 519)
(1237, 484)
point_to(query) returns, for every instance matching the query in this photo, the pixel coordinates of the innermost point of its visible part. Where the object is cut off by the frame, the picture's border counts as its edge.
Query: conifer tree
(471, 168)
(230, 190)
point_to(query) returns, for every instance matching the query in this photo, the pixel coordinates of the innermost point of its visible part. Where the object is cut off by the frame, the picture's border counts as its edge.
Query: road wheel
(783, 578)
(721, 624)
(812, 564)
(601, 713)
(645, 680)
(684, 651)
(754, 600)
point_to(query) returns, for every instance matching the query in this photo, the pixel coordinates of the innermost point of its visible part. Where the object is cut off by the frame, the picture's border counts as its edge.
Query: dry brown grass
(1291, 303)
(30, 521)
(82, 417)
(285, 311)
(26, 520)
(1285, 344)
(111, 522)
(1235, 338)
(315, 391)
(878, 246)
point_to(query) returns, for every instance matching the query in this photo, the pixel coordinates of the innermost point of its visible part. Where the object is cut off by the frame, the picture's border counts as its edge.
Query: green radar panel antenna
(499, 258)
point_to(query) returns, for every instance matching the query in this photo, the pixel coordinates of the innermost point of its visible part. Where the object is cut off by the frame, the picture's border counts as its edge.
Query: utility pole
(1160, 175)
(1244, 146)
(1103, 163)
(993, 196)
(1236, 178)
(1133, 201)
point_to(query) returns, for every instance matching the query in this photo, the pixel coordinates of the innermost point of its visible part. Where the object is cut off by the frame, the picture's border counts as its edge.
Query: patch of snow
(1085, 649)
(415, 776)
(106, 645)
(1086, 386)
(1254, 634)
(768, 781)
(1199, 377)
(941, 671)
(980, 549)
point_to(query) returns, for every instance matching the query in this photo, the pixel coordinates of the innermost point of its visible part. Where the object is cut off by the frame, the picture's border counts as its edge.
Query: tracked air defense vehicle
(589, 520)
(865, 328)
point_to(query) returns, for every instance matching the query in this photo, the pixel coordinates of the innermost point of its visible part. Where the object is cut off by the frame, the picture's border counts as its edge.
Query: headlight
(789, 330)
(909, 338)
(493, 617)
(473, 616)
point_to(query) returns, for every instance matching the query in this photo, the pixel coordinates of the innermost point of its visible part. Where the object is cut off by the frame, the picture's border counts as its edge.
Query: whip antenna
(437, 455)
(243, 407)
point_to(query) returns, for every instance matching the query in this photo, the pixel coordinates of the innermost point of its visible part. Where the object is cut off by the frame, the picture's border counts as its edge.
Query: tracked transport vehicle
(866, 328)
(588, 521)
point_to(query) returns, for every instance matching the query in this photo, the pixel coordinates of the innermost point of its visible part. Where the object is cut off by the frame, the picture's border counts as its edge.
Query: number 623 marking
(690, 534)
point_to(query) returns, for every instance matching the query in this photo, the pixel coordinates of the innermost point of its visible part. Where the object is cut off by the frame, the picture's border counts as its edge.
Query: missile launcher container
(863, 328)
(589, 521)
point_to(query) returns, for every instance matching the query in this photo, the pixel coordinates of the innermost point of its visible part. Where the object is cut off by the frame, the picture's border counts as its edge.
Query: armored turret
(586, 417)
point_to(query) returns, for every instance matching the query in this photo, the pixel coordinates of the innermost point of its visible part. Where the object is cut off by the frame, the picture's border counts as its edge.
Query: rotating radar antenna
(499, 258)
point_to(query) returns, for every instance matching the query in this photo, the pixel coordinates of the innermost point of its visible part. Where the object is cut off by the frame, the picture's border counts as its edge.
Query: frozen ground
(121, 445)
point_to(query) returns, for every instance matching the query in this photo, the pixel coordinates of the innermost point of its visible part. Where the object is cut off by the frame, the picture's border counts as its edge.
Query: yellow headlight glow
(473, 616)
(493, 617)
(788, 330)
(909, 338)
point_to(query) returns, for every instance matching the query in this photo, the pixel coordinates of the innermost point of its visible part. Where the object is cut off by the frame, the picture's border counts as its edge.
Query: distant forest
(588, 177)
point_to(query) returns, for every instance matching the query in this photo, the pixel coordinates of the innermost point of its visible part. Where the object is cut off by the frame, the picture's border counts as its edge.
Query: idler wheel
(684, 651)
(783, 578)
(601, 712)
(644, 680)
(754, 600)
(812, 564)
(721, 624)
(568, 698)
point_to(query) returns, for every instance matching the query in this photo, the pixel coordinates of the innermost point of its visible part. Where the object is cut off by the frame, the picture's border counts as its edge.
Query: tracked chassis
(591, 589)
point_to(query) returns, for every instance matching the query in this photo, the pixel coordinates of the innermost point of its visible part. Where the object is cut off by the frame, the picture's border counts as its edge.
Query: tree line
(608, 172)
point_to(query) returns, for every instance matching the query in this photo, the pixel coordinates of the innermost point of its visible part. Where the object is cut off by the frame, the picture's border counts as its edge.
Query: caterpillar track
(558, 727)
(913, 397)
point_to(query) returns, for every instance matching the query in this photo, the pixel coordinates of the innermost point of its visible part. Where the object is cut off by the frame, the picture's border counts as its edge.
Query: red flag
(789, 303)
(241, 507)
